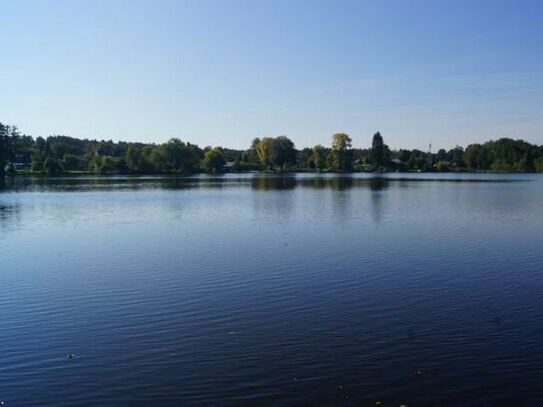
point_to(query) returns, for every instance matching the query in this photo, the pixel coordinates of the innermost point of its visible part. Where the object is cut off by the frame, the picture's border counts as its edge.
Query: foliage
(379, 153)
(442, 166)
(341, 155)
(214, 160)
(50, 165)
(4, 137)
(504, 154)
(318, 157)
(137, 159)
(304, 159)
(73, 162)
(58, 153)
(275, 152)
(538, 164)
(9, 141)
(283, 152)
(263, 150)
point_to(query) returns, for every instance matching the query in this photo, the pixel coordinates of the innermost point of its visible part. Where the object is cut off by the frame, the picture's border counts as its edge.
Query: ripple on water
(271, 296)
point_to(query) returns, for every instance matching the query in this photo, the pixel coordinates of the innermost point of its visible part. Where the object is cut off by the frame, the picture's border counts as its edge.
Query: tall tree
(38, 154)
(318, 157)
(377, 153)
(132, 158)
(263, 149)
(341, 155)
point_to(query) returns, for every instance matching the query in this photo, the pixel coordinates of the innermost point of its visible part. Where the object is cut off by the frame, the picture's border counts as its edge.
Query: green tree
(146, 165)
(214, 160)
(318, 157)
(251, 155)
(14, 138)
(303, 158)
(417, 160)
(504, 154)
(282, 152)
(51, 165)
(110, 164)
(378, 152)
(275, 152)
(341, 154)
(72, 162)
(132, 158)
(442, 166)
(176, 156)
(477, 157)
(442, 155)
(538, 164)
(263, 150)
(94, 159)
(4, 140)
(404, 156)
(38, 154)
(456, 157)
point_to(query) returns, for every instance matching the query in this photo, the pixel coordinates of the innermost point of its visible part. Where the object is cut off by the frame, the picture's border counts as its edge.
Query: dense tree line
(504, 155)
(58, 154)
(61, 154)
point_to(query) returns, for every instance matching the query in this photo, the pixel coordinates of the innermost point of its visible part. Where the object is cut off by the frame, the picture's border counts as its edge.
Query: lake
(255, 290)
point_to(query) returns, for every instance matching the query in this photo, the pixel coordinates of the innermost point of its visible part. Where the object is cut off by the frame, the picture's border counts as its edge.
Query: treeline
(504, 155)
(63, 154)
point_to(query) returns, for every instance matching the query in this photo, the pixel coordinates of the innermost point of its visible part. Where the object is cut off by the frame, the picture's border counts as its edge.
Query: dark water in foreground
(272, 291)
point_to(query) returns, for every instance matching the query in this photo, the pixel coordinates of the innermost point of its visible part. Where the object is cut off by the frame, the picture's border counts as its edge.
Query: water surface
(272, 290)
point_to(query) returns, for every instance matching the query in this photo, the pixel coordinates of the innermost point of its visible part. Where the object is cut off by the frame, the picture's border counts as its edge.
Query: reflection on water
(261, 182)
(379, 183)
(271, 290)
(336, 182)
(341, 204)
(7, 183)
(268, 183)
(9, 215)
(377, 206)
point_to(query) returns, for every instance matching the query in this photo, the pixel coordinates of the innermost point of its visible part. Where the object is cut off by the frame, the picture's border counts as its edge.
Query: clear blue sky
(226, 71)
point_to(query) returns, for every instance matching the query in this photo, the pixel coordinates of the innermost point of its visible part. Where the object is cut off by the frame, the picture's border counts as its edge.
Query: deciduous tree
(341, 156)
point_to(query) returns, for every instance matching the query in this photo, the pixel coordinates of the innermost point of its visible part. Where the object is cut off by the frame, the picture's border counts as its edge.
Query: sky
(222, 72)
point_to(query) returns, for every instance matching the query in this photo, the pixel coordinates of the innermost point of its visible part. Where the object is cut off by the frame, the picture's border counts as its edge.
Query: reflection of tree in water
(317, 182)
(342, 206)
(6, 183)
(72, 183)
(377, 186)
(342, 198)
(341, 183)
(9, 214)
(188, 182)
(336, 183)
(378, 183)
(276, 206)
(273, 183)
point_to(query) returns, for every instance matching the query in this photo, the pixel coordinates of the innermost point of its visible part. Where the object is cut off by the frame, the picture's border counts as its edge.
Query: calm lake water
(272, 291)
